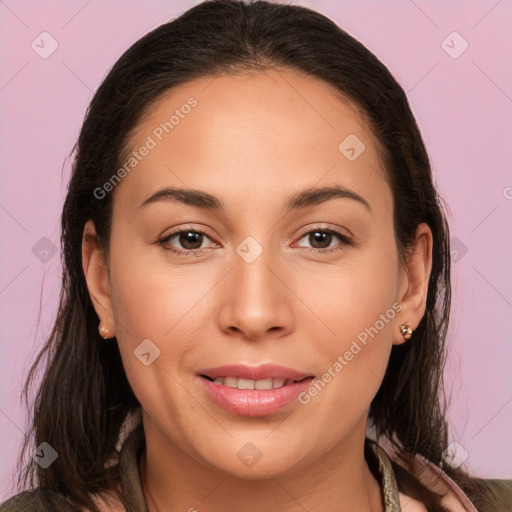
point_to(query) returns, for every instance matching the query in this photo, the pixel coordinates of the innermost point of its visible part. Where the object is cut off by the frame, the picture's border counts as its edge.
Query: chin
(256, 460)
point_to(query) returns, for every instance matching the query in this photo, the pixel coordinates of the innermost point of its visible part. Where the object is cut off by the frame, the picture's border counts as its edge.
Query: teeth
(277, 383)
(246, 384)
(263, 384)
(233, 382)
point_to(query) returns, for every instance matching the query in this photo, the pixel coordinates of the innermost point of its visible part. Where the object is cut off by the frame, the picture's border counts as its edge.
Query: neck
(338, 481)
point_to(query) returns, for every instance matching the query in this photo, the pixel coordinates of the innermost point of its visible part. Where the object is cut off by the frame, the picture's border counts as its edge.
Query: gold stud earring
(104, 332)
(406, 331)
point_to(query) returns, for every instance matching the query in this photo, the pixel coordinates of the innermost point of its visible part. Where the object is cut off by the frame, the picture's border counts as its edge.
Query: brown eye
(320, 240)
(189, 239)
(186, 241)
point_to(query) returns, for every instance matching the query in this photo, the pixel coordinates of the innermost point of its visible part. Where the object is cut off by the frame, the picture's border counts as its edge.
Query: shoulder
(25, 500)
(37, 500)
(454, 499)
(44, 500)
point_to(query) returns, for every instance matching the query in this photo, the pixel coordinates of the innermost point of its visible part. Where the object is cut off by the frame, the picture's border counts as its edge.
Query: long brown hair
(84, 395)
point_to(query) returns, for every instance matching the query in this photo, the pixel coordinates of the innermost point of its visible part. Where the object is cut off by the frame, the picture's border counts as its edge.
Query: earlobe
(97, 279)
(415, 278)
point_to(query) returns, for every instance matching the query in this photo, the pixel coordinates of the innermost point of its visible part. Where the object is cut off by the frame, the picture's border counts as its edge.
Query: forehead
(240, 135)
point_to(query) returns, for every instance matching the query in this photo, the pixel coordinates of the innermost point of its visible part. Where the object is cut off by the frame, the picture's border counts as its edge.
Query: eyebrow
(300, 200)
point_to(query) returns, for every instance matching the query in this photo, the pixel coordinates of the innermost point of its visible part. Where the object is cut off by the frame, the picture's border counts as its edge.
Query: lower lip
(254, 402)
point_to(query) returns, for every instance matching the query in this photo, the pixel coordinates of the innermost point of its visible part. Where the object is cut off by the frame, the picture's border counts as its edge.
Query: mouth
(253, 391)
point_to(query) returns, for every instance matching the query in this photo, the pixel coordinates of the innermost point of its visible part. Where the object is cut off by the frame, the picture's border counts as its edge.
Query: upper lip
(264, 371)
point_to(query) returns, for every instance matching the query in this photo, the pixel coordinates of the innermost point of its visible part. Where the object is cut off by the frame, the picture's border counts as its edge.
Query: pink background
(463, 107)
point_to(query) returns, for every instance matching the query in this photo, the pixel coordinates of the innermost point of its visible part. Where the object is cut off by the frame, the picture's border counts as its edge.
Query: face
(267, 271)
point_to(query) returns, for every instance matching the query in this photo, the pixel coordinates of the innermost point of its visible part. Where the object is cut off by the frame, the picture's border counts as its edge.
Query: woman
(256, 284)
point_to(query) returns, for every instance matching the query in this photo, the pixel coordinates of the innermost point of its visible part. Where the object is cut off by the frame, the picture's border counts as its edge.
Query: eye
(190, 240)
(320, 240)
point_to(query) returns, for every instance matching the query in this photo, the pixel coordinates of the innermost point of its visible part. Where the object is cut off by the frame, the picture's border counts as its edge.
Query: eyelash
(343, 238)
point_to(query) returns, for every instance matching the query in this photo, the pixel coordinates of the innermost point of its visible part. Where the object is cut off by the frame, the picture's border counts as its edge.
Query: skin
(252, 141)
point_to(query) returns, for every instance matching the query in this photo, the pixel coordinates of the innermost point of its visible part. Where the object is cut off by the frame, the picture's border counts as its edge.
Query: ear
(414, 279)
(97, 278)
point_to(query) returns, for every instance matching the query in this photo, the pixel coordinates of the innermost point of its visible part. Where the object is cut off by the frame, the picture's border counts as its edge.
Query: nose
(256, 298)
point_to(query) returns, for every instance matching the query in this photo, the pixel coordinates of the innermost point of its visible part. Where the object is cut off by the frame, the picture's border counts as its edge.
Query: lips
(253, 391)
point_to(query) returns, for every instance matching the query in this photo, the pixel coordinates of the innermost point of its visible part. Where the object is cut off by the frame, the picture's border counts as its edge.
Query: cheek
(153, 349)
(357, 327)
(147, 304)
(352, 295)
(149, 296)
(164, 303)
